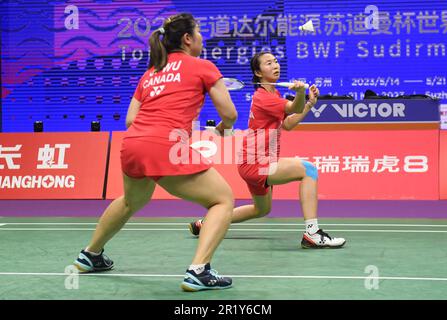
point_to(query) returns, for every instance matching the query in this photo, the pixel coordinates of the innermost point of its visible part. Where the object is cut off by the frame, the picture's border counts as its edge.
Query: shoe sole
(188, 287)
(82, 269)
(322, 247)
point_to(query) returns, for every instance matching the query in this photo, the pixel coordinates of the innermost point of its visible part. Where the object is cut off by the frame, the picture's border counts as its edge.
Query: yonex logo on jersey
(157, 90)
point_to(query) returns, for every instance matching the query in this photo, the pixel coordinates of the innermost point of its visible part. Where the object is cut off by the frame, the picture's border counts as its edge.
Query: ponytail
(158, 55)
(255, 79)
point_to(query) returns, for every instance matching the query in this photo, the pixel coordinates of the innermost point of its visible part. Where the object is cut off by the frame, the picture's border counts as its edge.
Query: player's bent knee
(225, 197)
(134, 205)
(311, 169)
(227, 194)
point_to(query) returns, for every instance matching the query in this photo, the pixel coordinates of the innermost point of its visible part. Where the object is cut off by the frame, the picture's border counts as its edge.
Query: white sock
(311, 226)
(92, 253)
(197, 268)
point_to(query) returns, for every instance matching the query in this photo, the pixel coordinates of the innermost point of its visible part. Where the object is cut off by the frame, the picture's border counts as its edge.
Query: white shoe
(321, 239)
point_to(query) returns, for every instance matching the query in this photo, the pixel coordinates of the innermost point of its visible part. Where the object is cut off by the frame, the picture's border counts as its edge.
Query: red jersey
(267, 113)
(172, 98)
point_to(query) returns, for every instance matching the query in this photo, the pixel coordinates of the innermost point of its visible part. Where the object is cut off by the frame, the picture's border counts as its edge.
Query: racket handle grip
(288, 84)
(212, 129)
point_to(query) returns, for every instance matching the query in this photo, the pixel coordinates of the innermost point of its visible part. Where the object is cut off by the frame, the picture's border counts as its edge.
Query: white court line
(243, 224)
(233, 276)
(184, 229)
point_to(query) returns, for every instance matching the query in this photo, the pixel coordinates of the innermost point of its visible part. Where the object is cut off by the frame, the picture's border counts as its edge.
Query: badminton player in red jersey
(167, 100)
(261, 167)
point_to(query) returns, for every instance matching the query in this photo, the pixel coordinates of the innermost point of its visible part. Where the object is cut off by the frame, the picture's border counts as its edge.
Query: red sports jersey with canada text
(172, 98)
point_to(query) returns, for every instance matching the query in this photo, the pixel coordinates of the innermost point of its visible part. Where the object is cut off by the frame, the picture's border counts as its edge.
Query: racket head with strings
(233, 84)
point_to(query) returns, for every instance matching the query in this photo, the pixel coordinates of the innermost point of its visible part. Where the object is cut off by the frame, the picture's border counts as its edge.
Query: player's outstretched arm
(224, 105)
(297, 105)
(293, 120)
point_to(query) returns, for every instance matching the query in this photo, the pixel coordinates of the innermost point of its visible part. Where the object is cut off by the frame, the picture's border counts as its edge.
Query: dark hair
(172, 31)
(255, 65)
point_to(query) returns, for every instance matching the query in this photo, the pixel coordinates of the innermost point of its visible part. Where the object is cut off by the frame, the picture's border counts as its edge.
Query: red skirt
(255, 176)
(156, 157)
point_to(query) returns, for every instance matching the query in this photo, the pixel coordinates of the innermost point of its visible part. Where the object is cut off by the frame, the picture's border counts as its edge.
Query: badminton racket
(236, 84)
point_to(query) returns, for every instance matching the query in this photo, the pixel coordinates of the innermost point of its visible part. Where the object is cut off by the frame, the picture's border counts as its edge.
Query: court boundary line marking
(68, 274)
(237, 229)
(246, 224)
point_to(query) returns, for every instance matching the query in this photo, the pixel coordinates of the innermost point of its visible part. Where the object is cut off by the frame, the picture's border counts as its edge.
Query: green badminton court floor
(388, 259)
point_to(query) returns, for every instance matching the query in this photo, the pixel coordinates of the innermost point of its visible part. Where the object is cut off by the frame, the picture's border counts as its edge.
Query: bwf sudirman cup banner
(359, 165)
(53, 165)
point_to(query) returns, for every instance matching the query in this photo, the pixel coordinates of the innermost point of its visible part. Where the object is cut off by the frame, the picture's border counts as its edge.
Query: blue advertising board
(374, 111)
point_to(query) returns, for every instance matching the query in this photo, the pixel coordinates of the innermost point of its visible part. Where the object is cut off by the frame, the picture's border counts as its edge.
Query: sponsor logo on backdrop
(48, 157)
(362, 110)
(365, 164)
